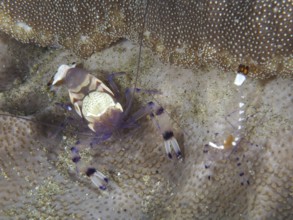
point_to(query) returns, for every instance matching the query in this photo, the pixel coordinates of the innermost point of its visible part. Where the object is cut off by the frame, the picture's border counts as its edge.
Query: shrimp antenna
(26, 118)
(139, 58)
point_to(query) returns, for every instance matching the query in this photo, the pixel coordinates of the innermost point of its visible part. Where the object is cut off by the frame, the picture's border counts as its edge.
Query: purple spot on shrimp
(106, 179)
(68, 107)
(76, 159)
(102, 187)
(170, 155)
(90, 171)
(160, 111)
(74, 150)
(241, 174)
(106, 136)
(151, 104)
(167, 135)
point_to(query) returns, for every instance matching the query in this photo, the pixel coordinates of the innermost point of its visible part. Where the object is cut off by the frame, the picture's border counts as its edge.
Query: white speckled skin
(187, 33)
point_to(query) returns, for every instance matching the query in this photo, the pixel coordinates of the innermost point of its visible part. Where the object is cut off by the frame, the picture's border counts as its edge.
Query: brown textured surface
(186, 33)
(38, 180)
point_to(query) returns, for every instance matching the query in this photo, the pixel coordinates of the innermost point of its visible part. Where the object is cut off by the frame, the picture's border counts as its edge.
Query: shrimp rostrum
(97, 104)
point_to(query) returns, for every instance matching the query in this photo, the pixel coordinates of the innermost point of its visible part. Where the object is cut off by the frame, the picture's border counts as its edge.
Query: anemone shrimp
(232, 139)
(97, 104)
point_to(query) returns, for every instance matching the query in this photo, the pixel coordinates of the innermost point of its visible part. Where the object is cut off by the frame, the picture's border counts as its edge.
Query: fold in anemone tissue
(97, 105)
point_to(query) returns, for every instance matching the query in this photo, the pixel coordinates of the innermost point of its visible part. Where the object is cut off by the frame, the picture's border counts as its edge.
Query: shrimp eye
(243, 69)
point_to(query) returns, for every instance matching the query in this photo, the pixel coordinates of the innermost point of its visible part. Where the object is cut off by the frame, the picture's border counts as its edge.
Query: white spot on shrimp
(241, 104)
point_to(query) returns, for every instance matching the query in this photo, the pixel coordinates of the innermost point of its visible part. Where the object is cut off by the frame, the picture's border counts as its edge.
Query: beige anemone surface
(38, 179)
(186, 33)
